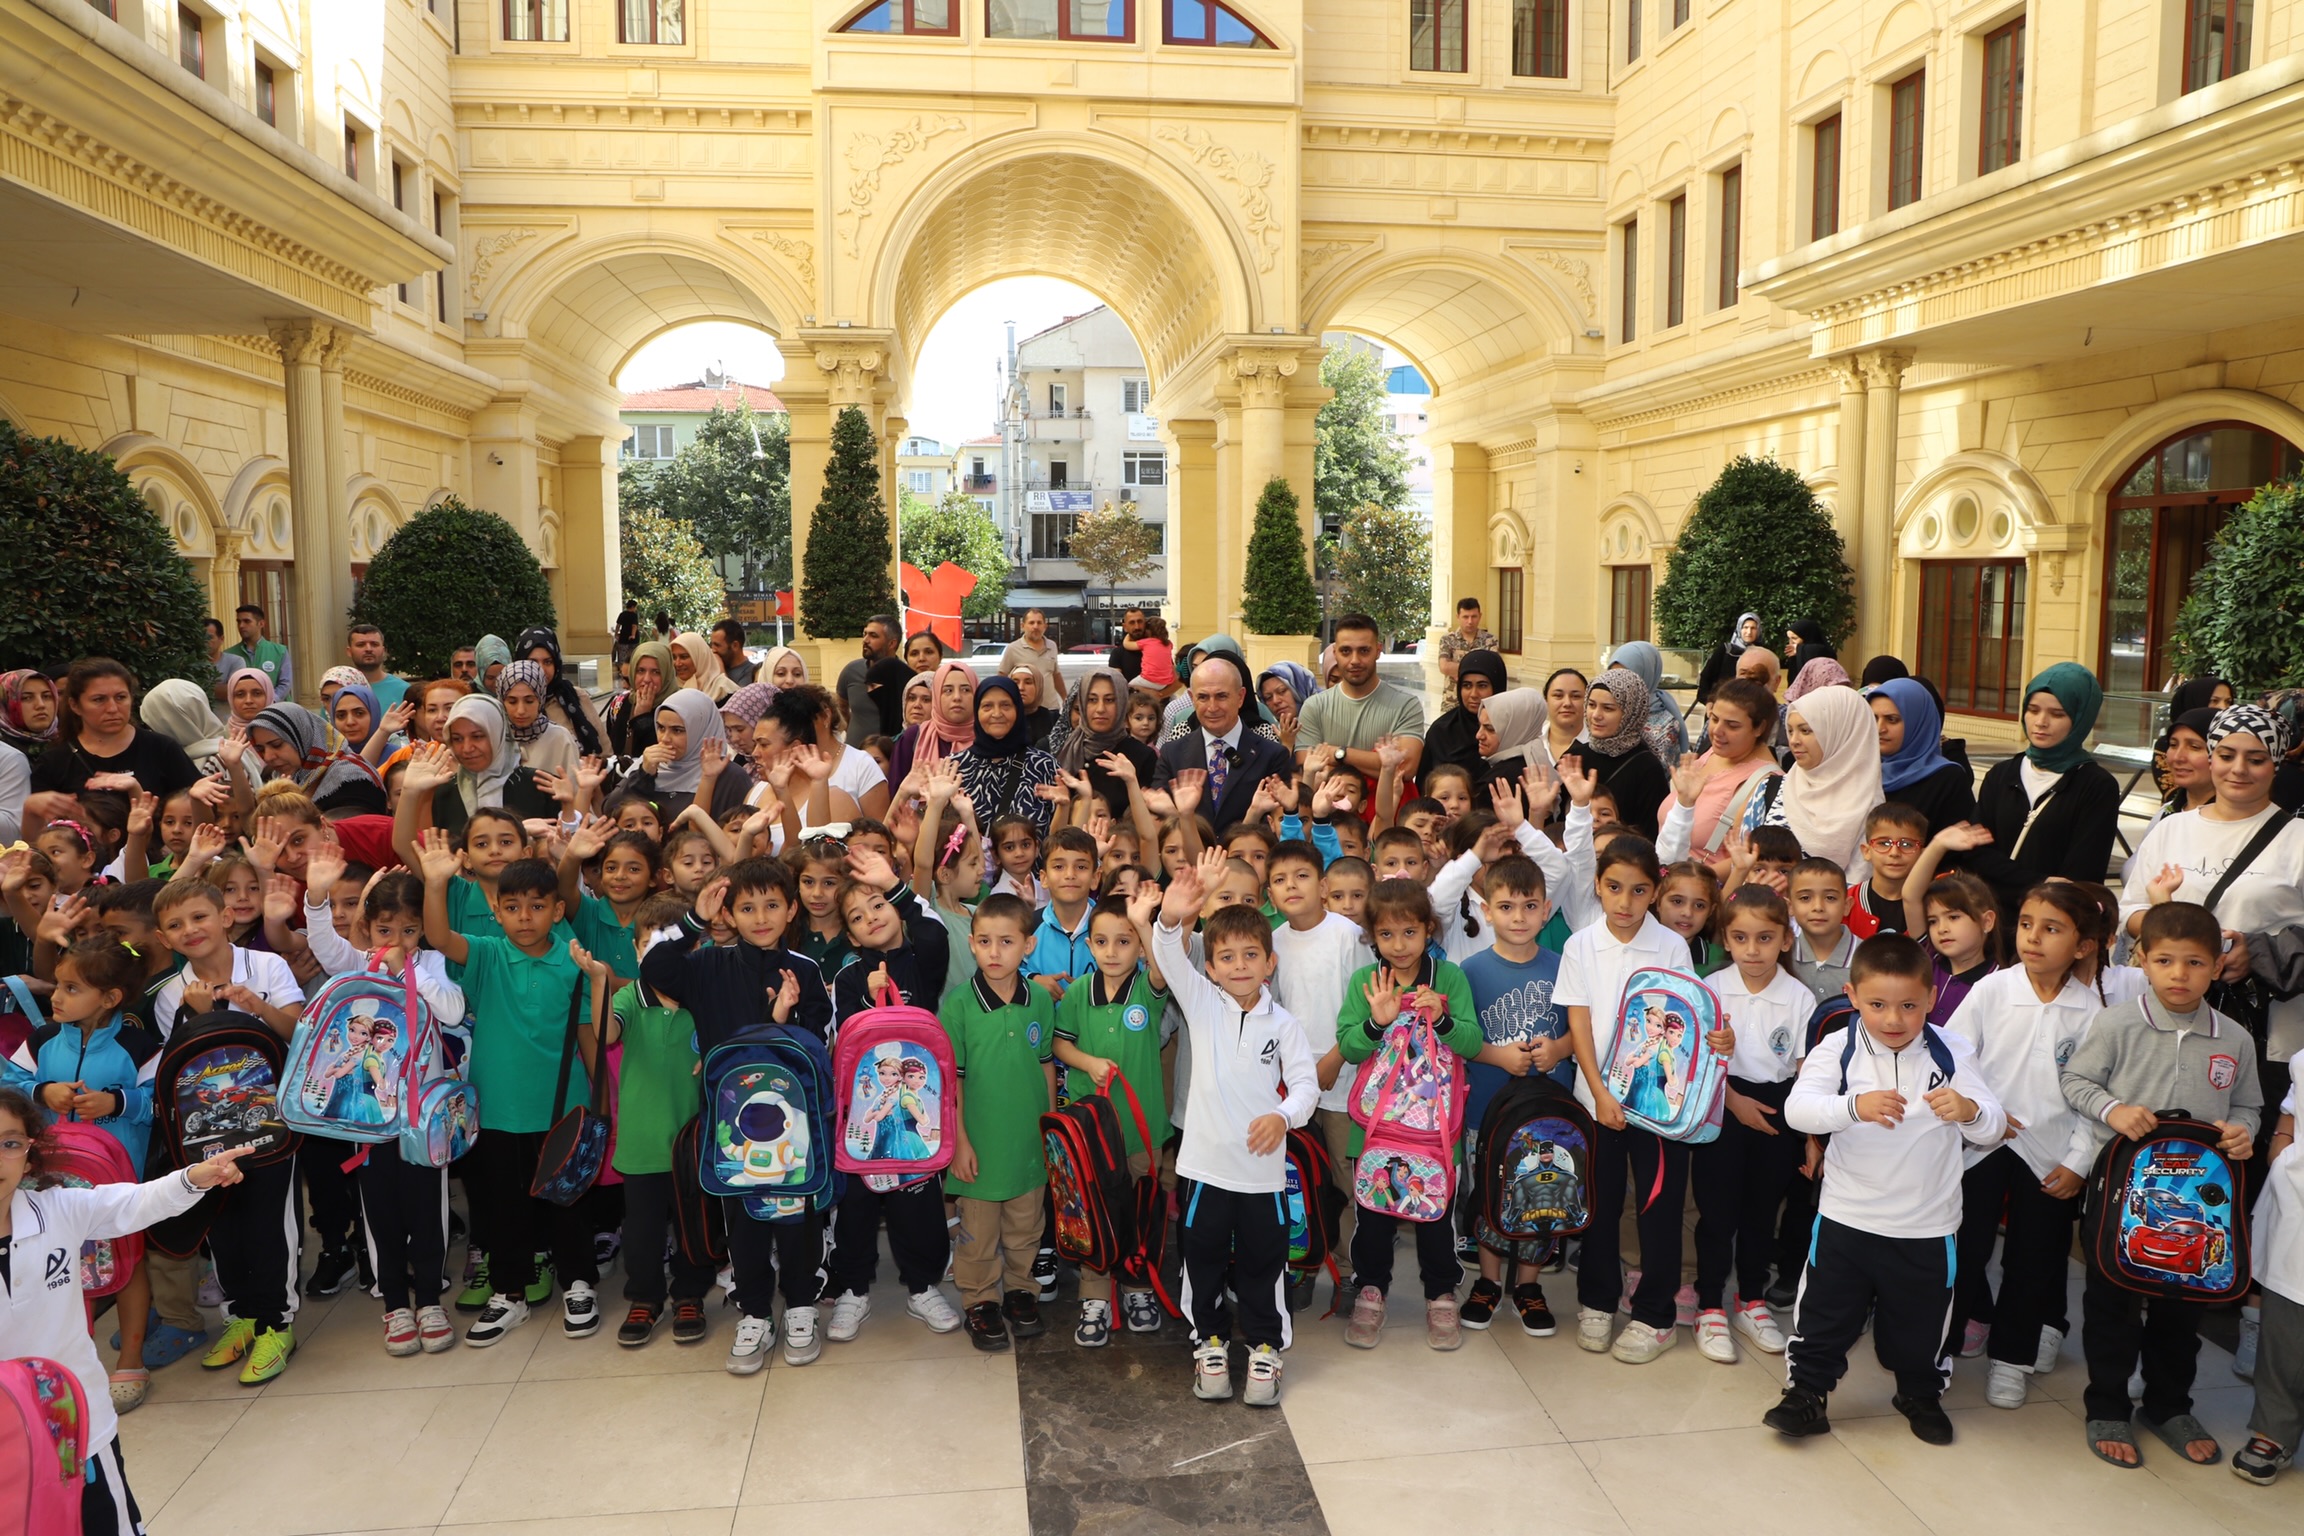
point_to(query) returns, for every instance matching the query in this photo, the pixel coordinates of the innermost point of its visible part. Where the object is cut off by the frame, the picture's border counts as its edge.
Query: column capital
(855, 363)
(313, 342)
(1847, 372)
(1884, 369)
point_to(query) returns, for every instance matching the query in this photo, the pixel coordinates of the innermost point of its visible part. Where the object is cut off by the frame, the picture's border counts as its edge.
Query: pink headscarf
(938, 738)
(1823, 672)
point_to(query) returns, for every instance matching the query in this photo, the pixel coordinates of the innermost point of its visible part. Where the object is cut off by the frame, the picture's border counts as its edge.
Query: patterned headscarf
(321, 772)
(343, 677)
(559, 689)
(1631, 696)
(30, 743)
(2256, 721)
(531, 673)
(749, 702)
(1823, 672)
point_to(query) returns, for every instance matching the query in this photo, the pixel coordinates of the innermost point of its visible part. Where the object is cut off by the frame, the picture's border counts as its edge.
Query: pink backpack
(43, 1448)
(892, 1076)
(77, 1155)
(1409, 1097)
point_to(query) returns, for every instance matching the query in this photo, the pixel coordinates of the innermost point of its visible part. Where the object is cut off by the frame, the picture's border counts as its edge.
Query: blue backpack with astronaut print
(770, 1132)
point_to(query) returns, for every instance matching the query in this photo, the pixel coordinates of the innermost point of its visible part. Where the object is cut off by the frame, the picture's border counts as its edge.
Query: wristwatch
(1338, 758)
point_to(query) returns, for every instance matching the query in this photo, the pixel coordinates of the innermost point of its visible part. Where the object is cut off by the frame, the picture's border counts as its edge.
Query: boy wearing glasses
(1894, 835)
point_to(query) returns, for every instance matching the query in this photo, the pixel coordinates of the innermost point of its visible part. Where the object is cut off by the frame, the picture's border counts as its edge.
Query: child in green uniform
(1113, 1020)
(1002, 1029)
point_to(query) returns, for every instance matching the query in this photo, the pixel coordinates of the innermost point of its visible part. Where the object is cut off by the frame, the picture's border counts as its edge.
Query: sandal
(166, 1344)
(129, 1389)
(2117, 1432)
(2179, 1431)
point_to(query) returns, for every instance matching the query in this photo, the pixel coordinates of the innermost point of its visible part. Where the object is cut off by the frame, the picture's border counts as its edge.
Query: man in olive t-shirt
(1340, 726)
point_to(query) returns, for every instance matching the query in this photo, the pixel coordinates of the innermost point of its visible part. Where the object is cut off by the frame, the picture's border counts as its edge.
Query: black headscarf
(884, 684)
(561, 690)
(2193, 693)
(1018, 741)
(1883, 669)
(1454, 736)
(1813, 646)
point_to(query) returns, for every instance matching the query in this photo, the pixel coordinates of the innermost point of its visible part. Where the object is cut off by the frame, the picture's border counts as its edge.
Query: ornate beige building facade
(307, 266)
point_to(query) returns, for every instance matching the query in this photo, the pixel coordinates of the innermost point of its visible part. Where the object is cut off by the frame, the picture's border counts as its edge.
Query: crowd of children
(1908, 1072)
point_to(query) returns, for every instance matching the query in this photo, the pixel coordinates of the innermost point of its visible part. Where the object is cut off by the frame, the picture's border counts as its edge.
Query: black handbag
(576, 1147)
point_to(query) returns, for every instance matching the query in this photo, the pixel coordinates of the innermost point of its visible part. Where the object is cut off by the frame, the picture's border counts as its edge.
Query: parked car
(991, 648)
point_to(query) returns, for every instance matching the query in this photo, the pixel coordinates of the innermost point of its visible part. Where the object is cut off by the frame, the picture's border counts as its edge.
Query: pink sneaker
(1684, 1306)
(1367, 1322)
(1443, 1323)
(1973, 1338)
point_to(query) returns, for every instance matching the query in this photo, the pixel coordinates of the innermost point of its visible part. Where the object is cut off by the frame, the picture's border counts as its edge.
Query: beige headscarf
(708, 680)
(1825, 807)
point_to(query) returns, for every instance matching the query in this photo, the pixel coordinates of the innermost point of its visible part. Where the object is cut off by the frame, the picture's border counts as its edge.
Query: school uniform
(1593, 970)
(1248, 1063)
(1315, 964)
(1889, 1207)
(1740, 1176)
(2021, 1044)
(1827, 973)
(656, 1096)
(1000, 1050)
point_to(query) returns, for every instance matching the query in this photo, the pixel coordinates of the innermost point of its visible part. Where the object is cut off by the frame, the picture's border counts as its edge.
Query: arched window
(910, 18)
(2160, 519)
(1205, 24)
(1070, 21)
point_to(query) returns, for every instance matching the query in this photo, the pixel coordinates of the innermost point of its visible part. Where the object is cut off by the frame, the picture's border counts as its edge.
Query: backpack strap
(1939, 1051)
(26, 1003)
(2273, 826)
(568, 1050)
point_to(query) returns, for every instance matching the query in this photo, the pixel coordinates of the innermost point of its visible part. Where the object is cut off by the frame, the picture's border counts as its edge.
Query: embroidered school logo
(1271, 1051)
(1780, 1043)
(2223, 1071)
(59, 1268)
(1936, 1080)
(1032, 1034)
(2064, 1050)
(1136, 1018)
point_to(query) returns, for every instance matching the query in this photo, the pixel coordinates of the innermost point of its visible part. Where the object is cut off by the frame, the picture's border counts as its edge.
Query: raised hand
(396, 718)
(265, 848)
(868, 866)
(712, 758)
(2164, 885)
(1186, 788)
(437, 858)
(591, 838)
(1100, 830)
(324, 864)
(1963, 836)
(591, 773)
(212, 792)
(1580, 783)
(1688, 776)
(1120, 765)
(711, 899)
(1187, 892)
(63, 920)
(142, 811)
(1144, 903)
(1391, 756)
(561, 787)
(430, 765)
(1504, 795)
(282, 896)
(208, 841)
(587, 962)
(1383, 1002)
(787, 998)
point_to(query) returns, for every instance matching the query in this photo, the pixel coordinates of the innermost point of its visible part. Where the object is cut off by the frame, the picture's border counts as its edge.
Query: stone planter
(1264, 650)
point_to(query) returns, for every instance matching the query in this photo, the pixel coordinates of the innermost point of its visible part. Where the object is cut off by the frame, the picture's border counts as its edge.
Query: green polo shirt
(656, 1086)
(597, 929)
(998, 1049)
(470, 915)
(1460, 1031)
(519, 1006)
(1126, 1029)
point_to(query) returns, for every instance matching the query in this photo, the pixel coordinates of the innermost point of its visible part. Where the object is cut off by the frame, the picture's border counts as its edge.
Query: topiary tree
(1757, 542)
(450, 575)
(1384, 567)
(846, 578)
(2244, 621)
(1276, 596)
(89, 570)
(666, 569)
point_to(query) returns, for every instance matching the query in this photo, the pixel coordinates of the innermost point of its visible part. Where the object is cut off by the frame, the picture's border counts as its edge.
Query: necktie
(1219, 764)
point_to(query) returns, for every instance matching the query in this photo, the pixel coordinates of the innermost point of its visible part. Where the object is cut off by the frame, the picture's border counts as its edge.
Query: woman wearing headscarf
(1804, 642)
(1039, 720)
(1823, 672)
(919, 699)
(672, 771)
(1914, 770)
(360, 725)
(1509, 732)
(783, 667)
(566, 704)
(1285, 686)
(632, 714)
(1618, 754)
(490, 654)
(28, 710)
(703, 668)
(950, 726)
(544, 743)
(1176, 720)
(740, 714)
(1714, 795)
(884, 684)
(1000, 768)
(1721, 664)
(2053, 809)
(2182, 767)
(1835, 778)
(1882, 669)
(1666, 730)
(1100, 730)
(293, 744)
(1454, 737)
(181, 712)
(489, 772)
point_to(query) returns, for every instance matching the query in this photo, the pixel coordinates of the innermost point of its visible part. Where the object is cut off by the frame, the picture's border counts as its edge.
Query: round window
(2003, 526)
(280, 523)
(1964, 519)
(1931, 531)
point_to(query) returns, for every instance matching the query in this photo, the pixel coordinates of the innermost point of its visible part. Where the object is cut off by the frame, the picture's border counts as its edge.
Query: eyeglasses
(14, 1146)
(1897, 844)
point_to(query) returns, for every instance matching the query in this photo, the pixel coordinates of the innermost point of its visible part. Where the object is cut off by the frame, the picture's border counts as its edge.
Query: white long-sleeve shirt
(1451, 891)
(1899, 1180)
(2021, 1045)
(1242, 1059)
(1316, 964)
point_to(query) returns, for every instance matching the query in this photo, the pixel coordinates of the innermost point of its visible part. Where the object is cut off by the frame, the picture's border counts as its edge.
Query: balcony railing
(980, 485)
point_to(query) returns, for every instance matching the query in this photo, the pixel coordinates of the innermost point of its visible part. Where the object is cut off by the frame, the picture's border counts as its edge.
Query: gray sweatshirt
(2138, 1052)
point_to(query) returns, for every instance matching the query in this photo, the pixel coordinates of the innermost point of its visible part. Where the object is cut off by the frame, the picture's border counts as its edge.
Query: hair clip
(953, 845)
(132, 949)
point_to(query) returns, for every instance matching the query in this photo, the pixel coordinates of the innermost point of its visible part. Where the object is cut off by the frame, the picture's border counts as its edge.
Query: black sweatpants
(328, 1189)
(405, 1208)
(1655, 1171)
(1904, 1284)
(647, 1222)
(1436, 1262)
(253, 1236)
(1740, 1178)
(1796, 1227)
(107, 1507)
(917, 1238)
(2118, 1329)
(512, 1226)
(1247, 1234)
(776, 1255)
(2032, 1257)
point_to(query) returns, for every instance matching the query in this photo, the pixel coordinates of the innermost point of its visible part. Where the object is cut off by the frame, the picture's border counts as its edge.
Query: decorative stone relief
(487, 251)
(800, 253)
(1246, 170)
(868, 154)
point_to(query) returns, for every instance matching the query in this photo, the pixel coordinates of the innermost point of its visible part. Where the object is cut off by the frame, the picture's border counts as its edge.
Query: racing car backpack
(2168, 1214)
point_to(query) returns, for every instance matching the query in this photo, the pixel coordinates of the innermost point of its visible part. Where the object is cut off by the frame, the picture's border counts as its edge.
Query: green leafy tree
(1384, 568)
(1112, 544)
(957, 529)
(1276, 596)
(666, 569)
(848, 538)
(733, 487)
(1357, 459)
(1759, 542)
(89, 570)
(450, 575)
(2244, 621)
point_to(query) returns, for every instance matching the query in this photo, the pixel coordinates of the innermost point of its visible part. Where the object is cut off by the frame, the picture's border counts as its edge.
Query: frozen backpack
(893, 1073)
(2168, 1214)
(43, 1448)
(77, 1155)
(357, 1051)
(1659, 1068)
(1409, 1098)
(1107, 1220)
(767, 1097)
(1534, 1162)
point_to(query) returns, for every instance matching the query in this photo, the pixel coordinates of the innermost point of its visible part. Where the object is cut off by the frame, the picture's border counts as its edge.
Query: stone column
(1196, 606)
(1875, 572)
(224, 580)
(892, 432)
(317, 620)
(1848, 513)
(1460, 501)
(337, 467)
(591, 551)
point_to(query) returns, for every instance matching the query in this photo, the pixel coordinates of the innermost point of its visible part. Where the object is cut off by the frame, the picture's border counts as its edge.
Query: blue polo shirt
(1056, 952)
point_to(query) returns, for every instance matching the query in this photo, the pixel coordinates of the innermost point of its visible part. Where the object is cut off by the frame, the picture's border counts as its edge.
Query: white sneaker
(2005, 1386)
(1714, 1339)
(502, 1314)
(1638, 1343)
(400, 1332)
(2244, 1353)
(1757, 1322)
(1592, 1329)
(1141, 1311)
(579, 1310)
(755, 1337)
(1095, 1328)
(931, 1308)
(433, 1330)
(1263, 1388)
(1212, 1372)
(848, 1314)
(801, 1344)
(2051, 1345)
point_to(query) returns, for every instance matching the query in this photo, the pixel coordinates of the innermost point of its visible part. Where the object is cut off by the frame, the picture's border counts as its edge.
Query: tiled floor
(906, 1431)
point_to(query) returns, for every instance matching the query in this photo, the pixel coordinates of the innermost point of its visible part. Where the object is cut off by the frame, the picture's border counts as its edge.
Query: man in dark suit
(1235, 758)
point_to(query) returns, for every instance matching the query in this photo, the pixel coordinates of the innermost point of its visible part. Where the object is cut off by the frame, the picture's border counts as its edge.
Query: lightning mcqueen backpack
(2168, 1214)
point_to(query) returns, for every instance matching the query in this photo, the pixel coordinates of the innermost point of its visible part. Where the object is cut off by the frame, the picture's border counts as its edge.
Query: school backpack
(699, 1222)
(2168, 1214)
(343, 1086)
(1106, 1220)
(1673, 1087)
(767, 1106)
(1409, 1098)
(20, 1014)
(217, 1084)
(894, 1076)
(77, 1155)
(576, 1143)
(43, 1448)
(1315, 1204)
(1534, 1162)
